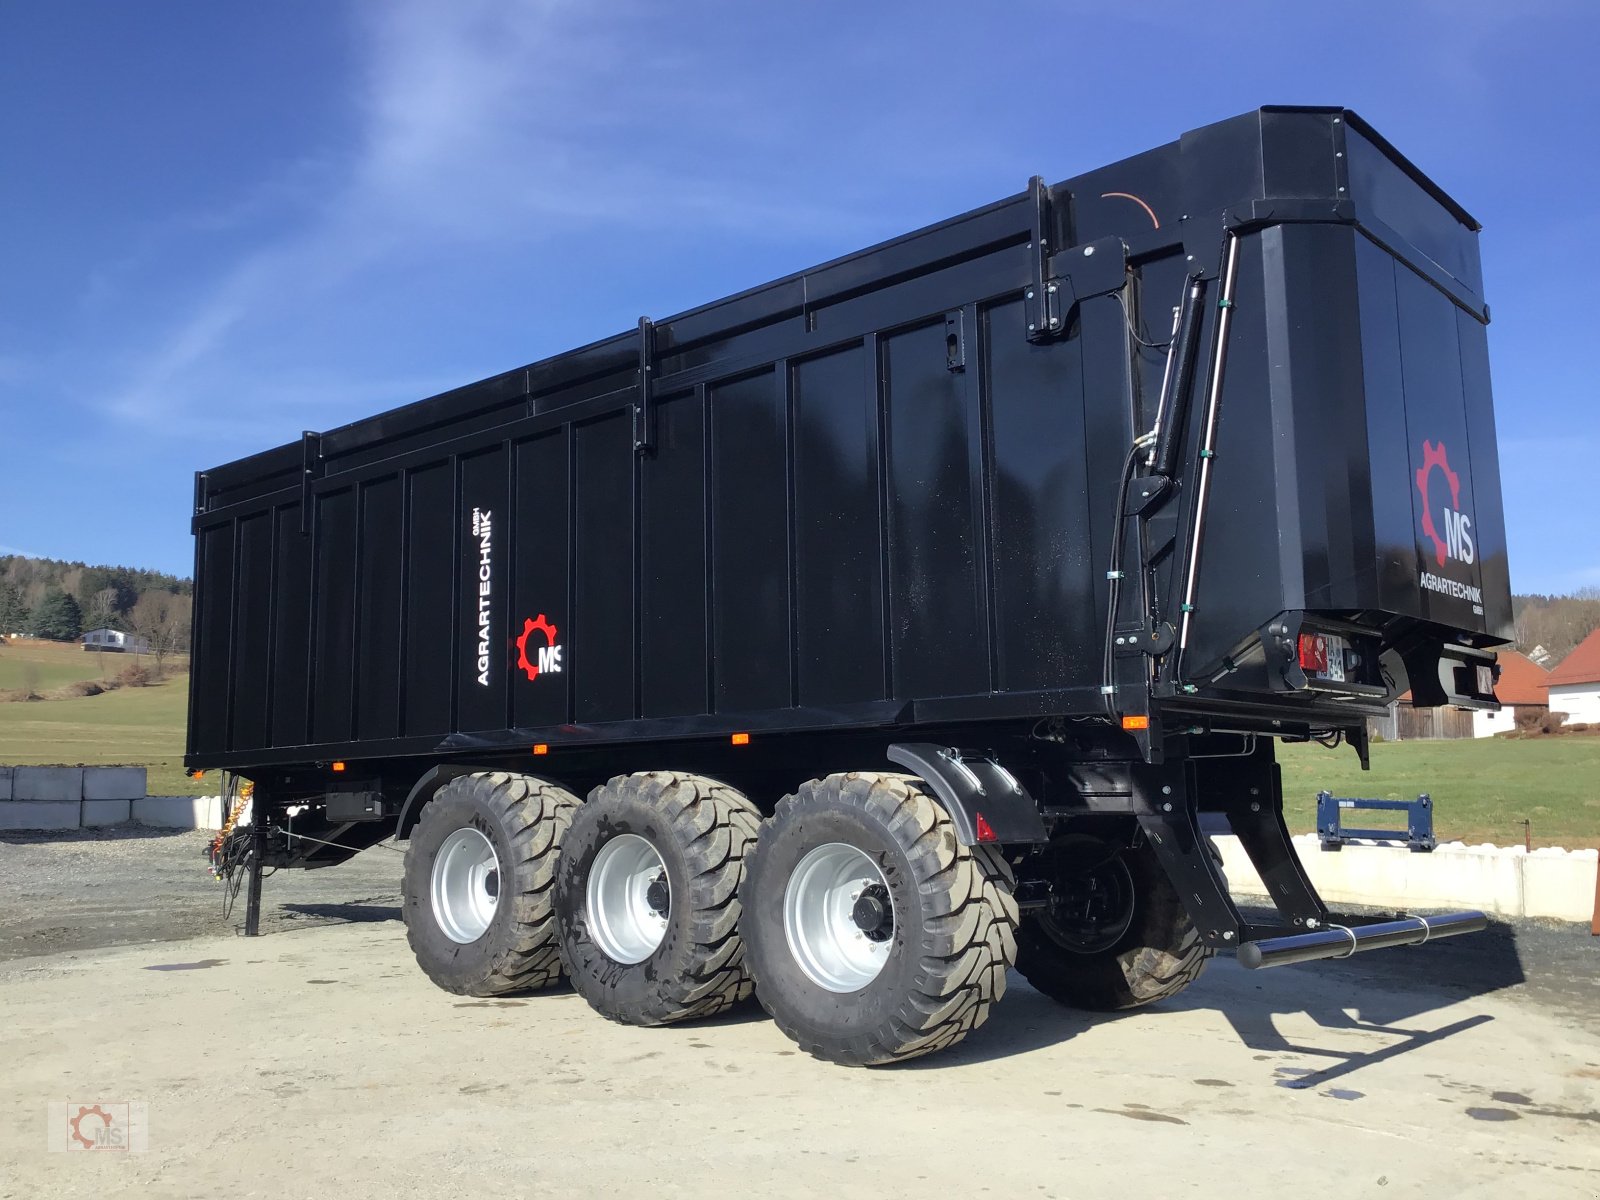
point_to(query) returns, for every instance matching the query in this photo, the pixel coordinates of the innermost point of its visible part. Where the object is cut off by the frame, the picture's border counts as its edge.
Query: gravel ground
(64, 892)
(128, 884)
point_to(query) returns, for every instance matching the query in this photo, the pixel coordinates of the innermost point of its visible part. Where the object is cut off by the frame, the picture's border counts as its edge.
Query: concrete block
(47, 783)
(179, 812)
(105, 812)
(39, 814)
(113, 783)
(1503, 880)
(1560, 884)
(5, 782)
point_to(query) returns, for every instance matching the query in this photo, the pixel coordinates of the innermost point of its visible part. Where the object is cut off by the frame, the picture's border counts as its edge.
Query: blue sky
(223, 223)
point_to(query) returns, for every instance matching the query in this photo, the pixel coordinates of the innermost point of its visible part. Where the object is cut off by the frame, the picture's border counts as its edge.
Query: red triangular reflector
(984, 829)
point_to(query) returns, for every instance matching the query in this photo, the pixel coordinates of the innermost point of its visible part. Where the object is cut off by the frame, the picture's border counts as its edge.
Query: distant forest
(45, 597)
(1555, 624)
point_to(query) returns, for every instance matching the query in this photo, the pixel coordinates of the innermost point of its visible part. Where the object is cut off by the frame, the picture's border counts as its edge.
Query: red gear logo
(528, 626)
(1434, 455)
(77, 1124)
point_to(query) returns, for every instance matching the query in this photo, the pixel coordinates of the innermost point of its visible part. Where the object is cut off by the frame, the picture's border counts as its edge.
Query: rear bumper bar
(1339, 941)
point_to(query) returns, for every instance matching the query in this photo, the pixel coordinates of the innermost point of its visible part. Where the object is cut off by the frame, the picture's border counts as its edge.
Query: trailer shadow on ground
(356, 912)
(1390, 998)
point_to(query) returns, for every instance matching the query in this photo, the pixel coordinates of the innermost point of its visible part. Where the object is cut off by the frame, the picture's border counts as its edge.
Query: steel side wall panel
(291, 628)
(940, 636)
(1044, 596)
(209, 730)
(252, 634)
(838, 553)
(378, 648)
(541, 575)
(672, 662)
(429, 581)
(332, 668)
(603, 621)
(749, 540)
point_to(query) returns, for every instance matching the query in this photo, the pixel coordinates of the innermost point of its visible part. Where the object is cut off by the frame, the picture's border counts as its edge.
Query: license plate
(1322, 656)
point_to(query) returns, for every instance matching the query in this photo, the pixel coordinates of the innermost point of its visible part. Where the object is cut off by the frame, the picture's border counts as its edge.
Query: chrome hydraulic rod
(1340, 941)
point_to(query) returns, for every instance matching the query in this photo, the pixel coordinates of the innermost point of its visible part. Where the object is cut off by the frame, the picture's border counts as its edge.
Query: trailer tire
(523, 820)
(949, 938)
(1158, 955)
(691, 964)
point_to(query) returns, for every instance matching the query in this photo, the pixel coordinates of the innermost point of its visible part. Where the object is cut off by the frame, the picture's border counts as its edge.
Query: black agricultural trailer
(860, 636)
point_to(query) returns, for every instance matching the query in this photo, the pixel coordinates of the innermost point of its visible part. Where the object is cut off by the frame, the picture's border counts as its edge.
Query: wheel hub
(1090, 910)
(873, 914)
(838, 917)
(464, 887)
(629, 899)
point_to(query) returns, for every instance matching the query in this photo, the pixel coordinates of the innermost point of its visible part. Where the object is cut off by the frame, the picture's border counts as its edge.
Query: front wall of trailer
(828, 538)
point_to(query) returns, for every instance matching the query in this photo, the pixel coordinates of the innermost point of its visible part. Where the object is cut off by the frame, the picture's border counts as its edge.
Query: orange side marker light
(740, 739)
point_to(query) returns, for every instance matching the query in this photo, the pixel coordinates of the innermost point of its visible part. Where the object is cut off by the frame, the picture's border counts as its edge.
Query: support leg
(258, 846)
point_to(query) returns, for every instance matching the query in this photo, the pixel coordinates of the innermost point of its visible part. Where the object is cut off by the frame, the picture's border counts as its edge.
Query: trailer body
(1070, 504)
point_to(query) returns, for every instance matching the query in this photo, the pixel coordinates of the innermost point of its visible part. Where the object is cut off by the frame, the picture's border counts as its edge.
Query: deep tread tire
(955, 922)
(525, 820)
(703, 830)
(1160, 954)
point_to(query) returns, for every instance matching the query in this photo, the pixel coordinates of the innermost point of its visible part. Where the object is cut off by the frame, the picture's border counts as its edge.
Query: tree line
(49, 598)
(1548, 627)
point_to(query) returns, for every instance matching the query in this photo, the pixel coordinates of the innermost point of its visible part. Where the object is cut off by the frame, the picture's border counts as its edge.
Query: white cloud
(481, 125)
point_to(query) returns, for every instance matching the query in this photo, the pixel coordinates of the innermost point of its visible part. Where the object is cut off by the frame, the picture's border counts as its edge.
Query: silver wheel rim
(622, 918)
(465, 887)
(819, 918)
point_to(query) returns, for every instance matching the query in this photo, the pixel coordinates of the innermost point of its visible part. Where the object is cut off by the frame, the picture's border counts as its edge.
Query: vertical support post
(258, 846)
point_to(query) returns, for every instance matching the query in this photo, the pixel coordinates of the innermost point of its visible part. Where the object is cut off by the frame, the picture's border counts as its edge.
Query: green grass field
(48, 665)
(136, 726)
(1482, 789)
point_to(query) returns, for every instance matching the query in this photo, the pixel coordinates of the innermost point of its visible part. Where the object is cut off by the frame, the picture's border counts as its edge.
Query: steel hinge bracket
(310, 472)
(644, 424)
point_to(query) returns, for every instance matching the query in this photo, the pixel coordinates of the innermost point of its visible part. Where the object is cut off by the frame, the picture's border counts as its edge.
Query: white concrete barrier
(57, 798)
(1503, 880)
(40, 814)
(47, 783)
(113, 783)
(179, 812)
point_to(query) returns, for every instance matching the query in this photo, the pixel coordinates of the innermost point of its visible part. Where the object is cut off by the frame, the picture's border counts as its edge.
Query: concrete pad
(1249, 1085)
(5, 782)
(39, 814)
(105, 812)
(48, 783)
(113, 783)
(179, 812)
